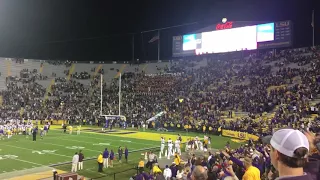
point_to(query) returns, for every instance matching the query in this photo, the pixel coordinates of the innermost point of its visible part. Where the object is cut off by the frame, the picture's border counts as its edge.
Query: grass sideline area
(57, 149)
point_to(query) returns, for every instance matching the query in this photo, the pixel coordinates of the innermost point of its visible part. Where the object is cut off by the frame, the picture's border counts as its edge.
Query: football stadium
(236, 100)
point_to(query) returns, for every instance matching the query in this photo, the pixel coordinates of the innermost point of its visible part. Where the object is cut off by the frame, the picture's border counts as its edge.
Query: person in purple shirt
(174, 169)
(105, 158)
(126, 153)
(238, 162)
(45, 128)
(139, 177)
(111, 158)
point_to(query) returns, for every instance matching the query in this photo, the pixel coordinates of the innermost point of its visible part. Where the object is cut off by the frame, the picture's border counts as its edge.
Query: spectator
(251, 171)
(232, 176)
(141, 165)
(81, 157)
(199, 173)
(167, 173)
(75, 161)
(106, 158)
(289, 153)
(100, 162)
(151, 159)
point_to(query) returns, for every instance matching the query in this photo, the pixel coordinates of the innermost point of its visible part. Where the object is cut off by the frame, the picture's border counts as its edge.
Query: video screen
(251, 37)
(265, 32)
(189, 42)
(236, 39)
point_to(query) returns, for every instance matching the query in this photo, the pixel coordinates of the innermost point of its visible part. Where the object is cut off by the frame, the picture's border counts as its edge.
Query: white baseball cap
(287, 141)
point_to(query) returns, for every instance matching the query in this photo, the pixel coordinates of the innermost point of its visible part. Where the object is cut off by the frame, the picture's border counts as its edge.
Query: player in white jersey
(23, 130)
(20, 128)
(29, 129)
(177, 147)
(170, 148)
(9, 132)
(162, 145)
(196, 143)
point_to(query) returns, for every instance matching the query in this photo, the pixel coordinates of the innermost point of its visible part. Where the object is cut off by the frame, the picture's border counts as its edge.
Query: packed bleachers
(210, 86)
(273, 90)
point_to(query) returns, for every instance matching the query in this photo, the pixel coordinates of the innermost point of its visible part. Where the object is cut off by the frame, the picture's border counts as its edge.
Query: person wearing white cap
(289, 153)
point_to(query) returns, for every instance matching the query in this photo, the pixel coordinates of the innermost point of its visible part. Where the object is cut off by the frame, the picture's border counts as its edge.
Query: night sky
(100, 29)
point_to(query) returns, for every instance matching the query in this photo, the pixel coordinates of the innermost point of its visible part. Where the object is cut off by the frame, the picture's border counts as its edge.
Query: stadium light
(224, 20)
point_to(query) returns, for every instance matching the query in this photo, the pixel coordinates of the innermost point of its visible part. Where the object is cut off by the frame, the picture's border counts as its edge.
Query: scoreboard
(282, 36)
(228, 39)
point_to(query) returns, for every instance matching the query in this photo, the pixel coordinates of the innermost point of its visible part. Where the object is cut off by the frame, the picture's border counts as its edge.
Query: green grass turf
(60, 143)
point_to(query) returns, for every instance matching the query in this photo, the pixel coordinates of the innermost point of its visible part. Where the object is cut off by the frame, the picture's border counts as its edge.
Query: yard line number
(75, 147)
(44, 151)
(8, 156)
(102, 144)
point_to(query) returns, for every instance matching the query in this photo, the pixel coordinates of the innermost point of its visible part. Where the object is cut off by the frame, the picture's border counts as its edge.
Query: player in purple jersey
(45, 130)
(1, 134)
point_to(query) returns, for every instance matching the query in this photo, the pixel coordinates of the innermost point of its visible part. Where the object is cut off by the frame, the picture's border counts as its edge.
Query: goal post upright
(101, 95)
(120, 94)
(101, 88)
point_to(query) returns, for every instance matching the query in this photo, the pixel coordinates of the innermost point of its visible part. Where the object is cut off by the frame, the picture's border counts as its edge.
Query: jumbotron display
(261, 36)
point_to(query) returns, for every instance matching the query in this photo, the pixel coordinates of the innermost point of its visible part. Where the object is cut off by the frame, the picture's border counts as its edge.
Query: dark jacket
(81, 157)
(313, 168)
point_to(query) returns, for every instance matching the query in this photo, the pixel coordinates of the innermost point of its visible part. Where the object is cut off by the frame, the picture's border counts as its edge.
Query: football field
(20, 155)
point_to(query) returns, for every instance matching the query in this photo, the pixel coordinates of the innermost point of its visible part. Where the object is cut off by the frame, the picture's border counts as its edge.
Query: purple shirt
(105, 154)
(139, 177)
(111, 155)
(174, 170)
(240, 163)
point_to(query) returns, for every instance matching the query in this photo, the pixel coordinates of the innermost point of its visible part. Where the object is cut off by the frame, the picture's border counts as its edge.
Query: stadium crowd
(287, 154)
(283, 84)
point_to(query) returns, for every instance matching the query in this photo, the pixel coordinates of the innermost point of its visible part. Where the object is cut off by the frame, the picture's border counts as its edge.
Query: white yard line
(35, 150)
(25, 161)
(130, 150)
(118, 140)
(63, 139)
(65, 146)
(111, 139)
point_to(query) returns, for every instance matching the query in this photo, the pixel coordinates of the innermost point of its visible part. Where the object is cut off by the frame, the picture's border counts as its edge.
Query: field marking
(66, 146)
(104, 139)
(63, 139)
(126, 141)
(29, 163)
(111, 139)
(131, 151)
(35, 150)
